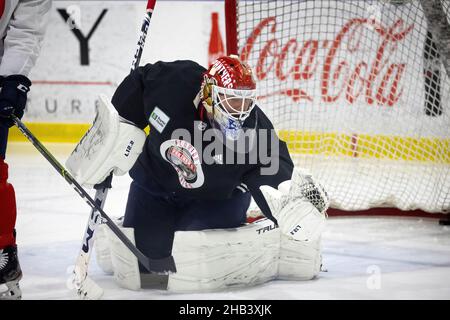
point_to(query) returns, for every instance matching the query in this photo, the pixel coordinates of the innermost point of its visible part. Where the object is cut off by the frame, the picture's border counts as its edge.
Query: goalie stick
(86, 287)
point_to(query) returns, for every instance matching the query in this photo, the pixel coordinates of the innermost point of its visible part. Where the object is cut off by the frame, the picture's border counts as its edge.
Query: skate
(10, 274)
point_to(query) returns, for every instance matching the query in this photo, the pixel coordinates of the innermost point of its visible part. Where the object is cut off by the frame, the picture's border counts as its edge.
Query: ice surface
(365, 258)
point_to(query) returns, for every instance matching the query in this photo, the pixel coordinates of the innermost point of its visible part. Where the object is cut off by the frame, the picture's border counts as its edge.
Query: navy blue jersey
(180, 154)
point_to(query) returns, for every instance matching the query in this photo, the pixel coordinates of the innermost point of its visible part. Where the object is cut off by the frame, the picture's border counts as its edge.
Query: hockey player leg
(149, 222)
(119, 260)
(8, 210)
(217, 259)
(10, 272)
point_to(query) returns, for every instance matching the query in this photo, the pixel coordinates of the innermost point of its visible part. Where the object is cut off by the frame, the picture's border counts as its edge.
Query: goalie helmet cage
(360, 92)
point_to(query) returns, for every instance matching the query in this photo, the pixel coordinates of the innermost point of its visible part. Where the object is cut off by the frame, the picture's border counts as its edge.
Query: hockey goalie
(210, 150)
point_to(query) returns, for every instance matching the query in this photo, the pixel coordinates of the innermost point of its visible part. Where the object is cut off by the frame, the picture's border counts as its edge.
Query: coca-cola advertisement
(358, 70)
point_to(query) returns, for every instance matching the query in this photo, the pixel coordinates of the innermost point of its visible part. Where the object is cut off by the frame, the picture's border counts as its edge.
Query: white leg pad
(299, 260)
(124, 263)
(211, 260)
(102, 248)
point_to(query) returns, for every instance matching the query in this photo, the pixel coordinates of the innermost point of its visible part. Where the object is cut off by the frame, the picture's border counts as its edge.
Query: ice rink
(364, 258)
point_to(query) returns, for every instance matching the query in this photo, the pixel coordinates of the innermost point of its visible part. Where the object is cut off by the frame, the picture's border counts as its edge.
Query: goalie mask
(228, 94)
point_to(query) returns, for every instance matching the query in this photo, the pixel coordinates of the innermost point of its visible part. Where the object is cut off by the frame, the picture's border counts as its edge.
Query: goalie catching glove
(111, 144)
(299, 205)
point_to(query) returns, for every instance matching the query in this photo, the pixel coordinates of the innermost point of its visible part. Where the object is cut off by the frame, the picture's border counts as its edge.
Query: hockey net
(360, 92)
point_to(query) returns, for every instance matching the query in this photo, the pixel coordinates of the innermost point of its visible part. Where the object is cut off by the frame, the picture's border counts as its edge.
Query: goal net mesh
(359, 90)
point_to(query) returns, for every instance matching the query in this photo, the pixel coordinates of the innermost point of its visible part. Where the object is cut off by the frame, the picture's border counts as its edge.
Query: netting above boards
(360, 91)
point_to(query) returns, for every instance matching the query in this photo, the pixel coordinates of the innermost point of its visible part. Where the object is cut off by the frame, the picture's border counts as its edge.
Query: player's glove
(299, 205)
(13, 98)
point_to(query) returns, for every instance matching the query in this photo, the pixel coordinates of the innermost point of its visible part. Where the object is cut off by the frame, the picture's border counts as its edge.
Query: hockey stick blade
(89, 290)
(161, 266)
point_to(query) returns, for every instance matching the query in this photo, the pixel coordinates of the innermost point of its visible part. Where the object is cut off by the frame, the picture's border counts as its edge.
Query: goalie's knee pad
(299, 260)
(211, 260)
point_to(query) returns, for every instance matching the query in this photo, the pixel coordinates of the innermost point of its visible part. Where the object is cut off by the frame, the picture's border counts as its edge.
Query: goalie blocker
(216, 259)
(112, 144)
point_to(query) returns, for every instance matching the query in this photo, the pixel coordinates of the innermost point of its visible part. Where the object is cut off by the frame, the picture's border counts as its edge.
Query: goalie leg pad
(216, 259)
(124, 263)
(299, 260)
(102, 248)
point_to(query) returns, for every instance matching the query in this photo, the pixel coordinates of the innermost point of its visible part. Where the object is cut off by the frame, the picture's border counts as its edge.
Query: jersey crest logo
(158, 119)
(186, 161)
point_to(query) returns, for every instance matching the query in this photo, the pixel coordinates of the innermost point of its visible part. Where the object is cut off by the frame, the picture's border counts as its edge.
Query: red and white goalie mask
(229, 95)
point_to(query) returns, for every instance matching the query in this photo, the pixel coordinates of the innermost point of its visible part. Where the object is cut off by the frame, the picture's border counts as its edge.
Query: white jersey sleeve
(22, 28)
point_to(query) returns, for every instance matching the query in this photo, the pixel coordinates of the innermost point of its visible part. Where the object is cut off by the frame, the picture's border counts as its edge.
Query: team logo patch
(186, 161)
(158, 119)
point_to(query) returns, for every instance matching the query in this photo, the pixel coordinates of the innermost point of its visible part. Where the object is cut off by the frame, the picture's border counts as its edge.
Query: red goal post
(360, 92)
